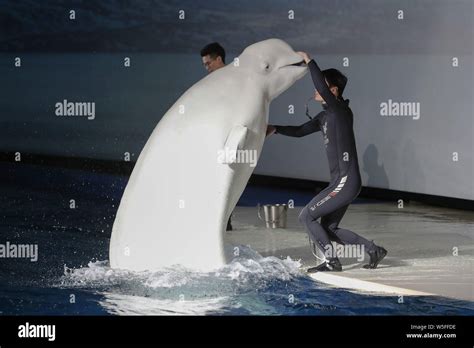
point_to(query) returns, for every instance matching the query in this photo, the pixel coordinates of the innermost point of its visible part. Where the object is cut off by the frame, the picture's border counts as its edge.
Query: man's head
(336, 82)
(213, 57)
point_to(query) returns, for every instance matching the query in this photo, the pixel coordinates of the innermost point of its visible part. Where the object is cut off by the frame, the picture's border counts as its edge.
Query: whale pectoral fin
(235, 141)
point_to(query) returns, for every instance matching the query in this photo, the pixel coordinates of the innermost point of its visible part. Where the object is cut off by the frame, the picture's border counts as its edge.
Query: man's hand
(270, 130)
(305, 56)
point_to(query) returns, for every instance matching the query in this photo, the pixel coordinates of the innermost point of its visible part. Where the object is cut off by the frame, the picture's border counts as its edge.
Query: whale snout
(298, 68)
(300, 63)
(295, 61)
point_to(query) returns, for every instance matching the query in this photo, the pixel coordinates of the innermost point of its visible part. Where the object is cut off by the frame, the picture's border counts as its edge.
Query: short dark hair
(335, 78)
(214, 50)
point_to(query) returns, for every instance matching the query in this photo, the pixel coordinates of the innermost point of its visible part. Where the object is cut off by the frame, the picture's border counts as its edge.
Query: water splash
(180, 290)
(249, 285)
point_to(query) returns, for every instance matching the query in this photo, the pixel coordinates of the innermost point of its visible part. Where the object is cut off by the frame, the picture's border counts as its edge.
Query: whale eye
(267, 66)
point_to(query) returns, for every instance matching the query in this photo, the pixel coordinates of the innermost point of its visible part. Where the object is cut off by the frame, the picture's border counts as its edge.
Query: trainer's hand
(270, 130)
(305, 56)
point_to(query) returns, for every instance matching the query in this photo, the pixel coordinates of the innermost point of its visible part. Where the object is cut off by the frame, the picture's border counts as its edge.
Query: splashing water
(178, 290)
(250, 284)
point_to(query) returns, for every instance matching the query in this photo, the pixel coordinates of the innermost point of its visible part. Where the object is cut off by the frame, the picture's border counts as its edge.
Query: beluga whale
(197, 162)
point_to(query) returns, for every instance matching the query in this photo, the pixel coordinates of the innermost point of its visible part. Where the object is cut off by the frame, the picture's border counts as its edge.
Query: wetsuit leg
(330, 223)
(330, 205)
(311, 213)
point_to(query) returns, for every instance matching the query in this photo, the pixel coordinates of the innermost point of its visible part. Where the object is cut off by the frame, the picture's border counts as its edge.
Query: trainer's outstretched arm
(309, 127)
(320, 83)
(318, 79)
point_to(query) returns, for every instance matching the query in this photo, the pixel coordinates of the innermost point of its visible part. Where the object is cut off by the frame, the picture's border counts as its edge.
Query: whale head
(275, 63)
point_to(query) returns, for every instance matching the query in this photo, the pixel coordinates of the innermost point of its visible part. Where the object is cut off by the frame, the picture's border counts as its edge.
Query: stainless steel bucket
(275, 215)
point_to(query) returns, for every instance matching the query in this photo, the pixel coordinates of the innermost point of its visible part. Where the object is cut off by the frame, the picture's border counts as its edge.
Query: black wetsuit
(336, 124)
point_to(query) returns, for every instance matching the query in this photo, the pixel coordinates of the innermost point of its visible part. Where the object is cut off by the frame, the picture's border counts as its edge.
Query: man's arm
(320, 83)
(318, 79)
(299, 131)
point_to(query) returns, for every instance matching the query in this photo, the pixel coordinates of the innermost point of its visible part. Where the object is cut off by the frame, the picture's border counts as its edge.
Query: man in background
(213, 57)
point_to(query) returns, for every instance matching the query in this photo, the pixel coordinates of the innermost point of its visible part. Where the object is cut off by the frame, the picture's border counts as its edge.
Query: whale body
(187, 180)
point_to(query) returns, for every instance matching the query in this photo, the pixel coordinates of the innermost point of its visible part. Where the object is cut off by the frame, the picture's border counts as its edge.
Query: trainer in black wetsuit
(336, 124)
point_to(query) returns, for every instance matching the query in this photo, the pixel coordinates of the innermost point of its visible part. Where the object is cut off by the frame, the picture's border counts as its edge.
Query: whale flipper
(235, 141)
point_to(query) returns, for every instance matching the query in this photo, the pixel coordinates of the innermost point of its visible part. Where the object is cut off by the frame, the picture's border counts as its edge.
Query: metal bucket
(275, 215)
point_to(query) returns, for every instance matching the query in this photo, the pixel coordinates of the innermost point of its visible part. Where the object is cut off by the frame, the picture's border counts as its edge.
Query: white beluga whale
(197, 162)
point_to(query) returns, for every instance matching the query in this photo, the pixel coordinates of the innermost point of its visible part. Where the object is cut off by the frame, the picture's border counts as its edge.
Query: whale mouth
(300, 63)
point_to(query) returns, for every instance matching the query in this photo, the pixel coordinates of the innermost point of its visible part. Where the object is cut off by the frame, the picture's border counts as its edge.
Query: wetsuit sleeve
(309, 127)
(320, 83)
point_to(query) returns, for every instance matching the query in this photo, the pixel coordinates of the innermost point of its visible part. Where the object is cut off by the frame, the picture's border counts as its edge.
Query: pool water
(72, 275)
